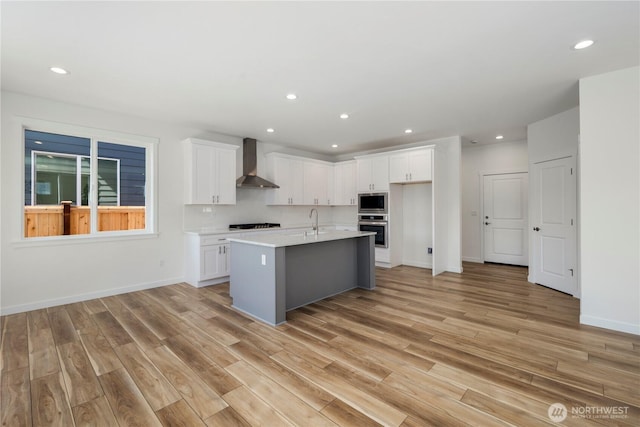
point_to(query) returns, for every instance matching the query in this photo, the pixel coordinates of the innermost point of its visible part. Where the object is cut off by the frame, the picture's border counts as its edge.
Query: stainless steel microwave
(373, 203)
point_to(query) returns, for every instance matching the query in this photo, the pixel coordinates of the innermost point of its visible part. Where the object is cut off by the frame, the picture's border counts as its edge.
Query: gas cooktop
(253, 226)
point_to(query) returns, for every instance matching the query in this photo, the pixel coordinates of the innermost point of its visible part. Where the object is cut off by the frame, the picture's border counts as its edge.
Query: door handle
(536, 228)
(487, 223)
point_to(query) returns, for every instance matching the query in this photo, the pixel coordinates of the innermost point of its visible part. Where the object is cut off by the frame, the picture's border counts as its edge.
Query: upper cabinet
(413, 165)
(344, 178)
(210, 172)
(318, 181)
(302, 181)
(372, 173)
(286, 172)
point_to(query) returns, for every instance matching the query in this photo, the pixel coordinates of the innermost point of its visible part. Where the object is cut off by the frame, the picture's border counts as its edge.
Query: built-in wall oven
(377, 224)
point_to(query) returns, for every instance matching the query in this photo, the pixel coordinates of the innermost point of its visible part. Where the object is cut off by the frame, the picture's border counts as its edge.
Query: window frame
(95, 135)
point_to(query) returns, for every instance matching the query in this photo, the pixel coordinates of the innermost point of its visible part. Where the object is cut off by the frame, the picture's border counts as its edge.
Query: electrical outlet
(430, 251)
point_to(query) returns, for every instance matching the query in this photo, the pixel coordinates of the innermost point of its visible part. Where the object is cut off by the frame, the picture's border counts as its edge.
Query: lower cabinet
(214, 261)
(207, 259)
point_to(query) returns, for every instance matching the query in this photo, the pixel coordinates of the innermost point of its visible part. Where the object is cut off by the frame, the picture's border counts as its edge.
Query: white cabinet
(344, 174)
(210, 172)
(409, 166)
(316, 183)
(286, 172)
(302, 181)
(207, 259)
(214, 261)
(372, 173)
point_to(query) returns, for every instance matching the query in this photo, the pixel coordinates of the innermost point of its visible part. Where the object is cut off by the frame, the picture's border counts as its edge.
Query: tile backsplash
(250, 207)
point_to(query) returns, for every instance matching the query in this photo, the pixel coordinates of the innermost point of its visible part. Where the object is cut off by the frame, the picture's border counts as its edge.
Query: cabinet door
(209, 261)
(224, 260)
(278, 172)
(345, 184)
(364, 171)
(225, 177)
(315, 183)
(202, 161)
(380, 173)
(331, 196)
(349, 187)
(296, 181)
(419, 165)
(399, 168)
(289, 175)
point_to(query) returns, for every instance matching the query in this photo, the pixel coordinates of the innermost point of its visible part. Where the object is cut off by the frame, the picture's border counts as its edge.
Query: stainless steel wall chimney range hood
(249, 178)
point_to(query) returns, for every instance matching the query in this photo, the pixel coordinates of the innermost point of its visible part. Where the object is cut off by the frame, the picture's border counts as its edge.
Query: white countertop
(293, 238)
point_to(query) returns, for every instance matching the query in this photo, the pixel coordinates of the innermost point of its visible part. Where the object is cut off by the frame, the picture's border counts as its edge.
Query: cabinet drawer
(212, 240)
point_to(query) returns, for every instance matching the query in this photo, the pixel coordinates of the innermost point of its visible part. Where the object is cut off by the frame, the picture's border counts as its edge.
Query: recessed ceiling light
(408, 131)
(334, 145)
(583, 44)
(344, 116)
(59, 70)
(271, 130)
(499, 137)
(291, 96)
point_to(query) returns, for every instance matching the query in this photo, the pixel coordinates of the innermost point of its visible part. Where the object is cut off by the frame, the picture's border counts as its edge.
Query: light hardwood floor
(482, 348)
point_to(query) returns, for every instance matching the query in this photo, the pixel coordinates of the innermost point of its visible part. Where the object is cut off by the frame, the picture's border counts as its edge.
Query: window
(86, 185)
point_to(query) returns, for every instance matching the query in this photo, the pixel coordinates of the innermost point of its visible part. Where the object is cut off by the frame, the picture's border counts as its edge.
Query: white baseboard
(454, 268)
(419, 264)
(629, 328)
(473, 259)
(20, 308)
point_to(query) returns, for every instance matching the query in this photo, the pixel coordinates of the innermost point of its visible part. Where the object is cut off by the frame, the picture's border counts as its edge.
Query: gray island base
(275, 273)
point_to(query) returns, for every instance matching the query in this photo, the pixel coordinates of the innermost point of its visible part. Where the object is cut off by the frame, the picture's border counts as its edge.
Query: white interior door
(505, 219)
(553, 224)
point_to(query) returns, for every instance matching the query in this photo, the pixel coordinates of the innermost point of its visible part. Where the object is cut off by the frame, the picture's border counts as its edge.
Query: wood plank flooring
(483, 348)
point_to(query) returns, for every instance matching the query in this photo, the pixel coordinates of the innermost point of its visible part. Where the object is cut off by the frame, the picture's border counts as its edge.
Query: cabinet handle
(219, 249)
(217, 199)
(410, 177)
(213, 200)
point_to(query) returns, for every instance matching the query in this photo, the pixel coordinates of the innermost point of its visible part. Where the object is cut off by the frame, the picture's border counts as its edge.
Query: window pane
(51, 177)
(121, 187)
(49, 143)
(108, 189)
(55, 179)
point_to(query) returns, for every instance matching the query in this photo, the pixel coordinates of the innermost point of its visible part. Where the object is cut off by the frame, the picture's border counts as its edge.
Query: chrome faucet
(314, 227)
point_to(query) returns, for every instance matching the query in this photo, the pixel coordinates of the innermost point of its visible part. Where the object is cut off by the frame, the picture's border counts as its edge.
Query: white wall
(554, 137)
(610, 200)
(502, 157)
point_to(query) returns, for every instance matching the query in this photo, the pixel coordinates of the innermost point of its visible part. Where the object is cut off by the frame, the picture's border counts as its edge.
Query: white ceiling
(473, 69)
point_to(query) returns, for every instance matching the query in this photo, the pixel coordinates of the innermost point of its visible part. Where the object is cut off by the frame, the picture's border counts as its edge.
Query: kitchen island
(272, 274)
